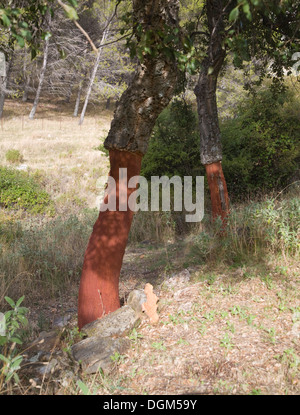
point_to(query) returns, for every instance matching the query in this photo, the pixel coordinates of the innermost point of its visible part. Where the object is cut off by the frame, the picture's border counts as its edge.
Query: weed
(226, 341)
(159, 345)
(9, 338)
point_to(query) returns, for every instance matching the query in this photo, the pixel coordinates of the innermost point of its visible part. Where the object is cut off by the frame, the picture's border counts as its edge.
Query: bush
(261, 146)
(19, 190)
(13, 156)
(174, 145)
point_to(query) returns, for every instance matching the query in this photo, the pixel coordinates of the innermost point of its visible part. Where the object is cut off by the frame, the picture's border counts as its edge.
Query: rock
(179, 279)
(46, 342)
(47, 368)
(116, 324)
(95, 353)
(135, 300)
(61, 321)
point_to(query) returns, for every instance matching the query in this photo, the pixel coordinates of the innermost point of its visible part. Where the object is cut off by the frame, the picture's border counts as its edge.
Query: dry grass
(56, 146)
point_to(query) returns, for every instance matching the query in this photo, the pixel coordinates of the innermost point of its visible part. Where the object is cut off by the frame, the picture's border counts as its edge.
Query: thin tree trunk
(41, 81)
(205, 91)
(4, 85)
(148, 94)
(93, 76)
(77, 102)
(26, 78)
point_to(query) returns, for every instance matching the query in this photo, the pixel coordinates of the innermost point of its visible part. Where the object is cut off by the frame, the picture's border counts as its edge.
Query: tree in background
(264, 32)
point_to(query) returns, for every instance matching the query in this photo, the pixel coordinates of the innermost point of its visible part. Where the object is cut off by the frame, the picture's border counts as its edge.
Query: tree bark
(148, 94)
(205, 91)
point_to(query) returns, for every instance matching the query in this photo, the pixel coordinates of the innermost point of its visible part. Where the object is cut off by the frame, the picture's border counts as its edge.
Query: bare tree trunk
(4, 84)
(77, 103)
(26, 78)
(205, 91)
(93, 76)
(148, 94)
(41, 81)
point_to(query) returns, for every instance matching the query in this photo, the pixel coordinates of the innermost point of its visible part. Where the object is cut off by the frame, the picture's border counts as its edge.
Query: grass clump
(254, 231)
(14, 156)
(19, 190)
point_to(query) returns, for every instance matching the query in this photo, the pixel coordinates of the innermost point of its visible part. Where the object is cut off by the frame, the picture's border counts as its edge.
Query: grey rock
(116, 324)
(61, 321)
(95, 353)
(135, 300)
(178, 280)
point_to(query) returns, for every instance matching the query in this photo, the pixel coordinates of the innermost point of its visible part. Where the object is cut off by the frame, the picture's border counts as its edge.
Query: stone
(116, 324)
(94, 353)
(61, 321)
(135, 300)
(179, 279)
(46, 342)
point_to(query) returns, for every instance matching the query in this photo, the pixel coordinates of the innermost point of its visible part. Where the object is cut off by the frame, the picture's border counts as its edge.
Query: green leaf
(83, 387)
(4, 18)
(246, 10)
(73, 3)
(234, 14)
(15, 340)
(10, 302)
(4, 359)
(71, 12)
(20, 300)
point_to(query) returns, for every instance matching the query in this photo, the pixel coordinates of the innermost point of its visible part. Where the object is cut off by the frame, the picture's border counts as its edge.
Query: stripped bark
(205, 91)
(148, 94)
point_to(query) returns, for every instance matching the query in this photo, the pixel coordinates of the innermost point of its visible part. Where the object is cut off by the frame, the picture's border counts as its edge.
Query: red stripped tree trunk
(205, 91)
(218, 190)
(149, 92)
(99, 286)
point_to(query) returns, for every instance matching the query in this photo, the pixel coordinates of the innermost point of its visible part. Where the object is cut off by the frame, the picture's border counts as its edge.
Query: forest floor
(222, 329)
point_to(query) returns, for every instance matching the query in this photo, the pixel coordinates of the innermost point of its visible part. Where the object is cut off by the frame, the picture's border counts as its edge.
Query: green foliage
(19, 190)
(174, 145)
(13, 156)
(25, 21)
(11, 360)
(261, 146)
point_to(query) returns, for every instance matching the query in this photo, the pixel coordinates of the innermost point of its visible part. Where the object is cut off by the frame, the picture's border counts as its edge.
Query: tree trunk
(41, 81)
(205, 91)
(99, 285)
(26, 78)
(148, 94)
(93, 76)
(4, 84)
(77, 103)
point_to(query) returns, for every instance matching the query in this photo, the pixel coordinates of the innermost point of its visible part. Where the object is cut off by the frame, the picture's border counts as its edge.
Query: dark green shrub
(174, 145)
(19, 190)
(261, 146)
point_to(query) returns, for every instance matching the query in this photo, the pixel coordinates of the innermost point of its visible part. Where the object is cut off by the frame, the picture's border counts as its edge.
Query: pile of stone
(103, 338)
